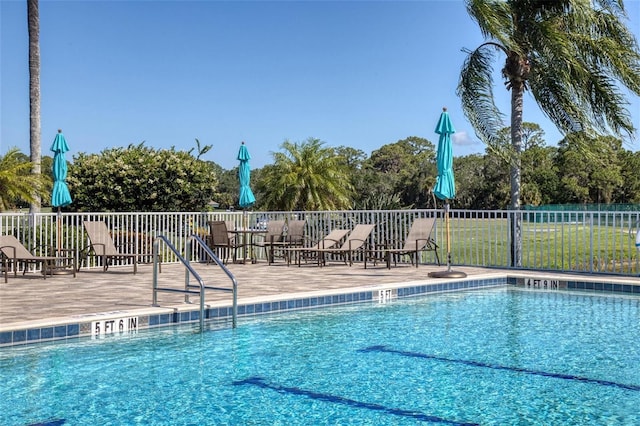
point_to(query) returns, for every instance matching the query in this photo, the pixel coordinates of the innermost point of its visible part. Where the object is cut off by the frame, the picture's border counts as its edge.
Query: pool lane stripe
(582, 379)
(260, 382)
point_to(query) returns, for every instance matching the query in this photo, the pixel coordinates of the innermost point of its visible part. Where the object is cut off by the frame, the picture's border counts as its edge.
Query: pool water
(490, 357)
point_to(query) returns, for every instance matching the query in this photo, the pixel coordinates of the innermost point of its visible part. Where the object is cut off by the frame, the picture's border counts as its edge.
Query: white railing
(593, 242)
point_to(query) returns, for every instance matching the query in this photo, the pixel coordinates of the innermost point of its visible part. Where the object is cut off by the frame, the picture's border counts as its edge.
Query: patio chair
(14, 254)
(272, 238)
(418, 240)
(293, 236)
(356, 241)
(331, 240)
(231, 226)
(295, 232)
(224, 240)
(101, 245)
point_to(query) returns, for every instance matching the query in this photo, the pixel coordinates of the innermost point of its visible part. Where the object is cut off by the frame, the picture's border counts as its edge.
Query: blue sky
(351, 73)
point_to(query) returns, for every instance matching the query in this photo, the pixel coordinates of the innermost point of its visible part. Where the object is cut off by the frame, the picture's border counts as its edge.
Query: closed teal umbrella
(445, 187)
(60, 195)
(246, 197)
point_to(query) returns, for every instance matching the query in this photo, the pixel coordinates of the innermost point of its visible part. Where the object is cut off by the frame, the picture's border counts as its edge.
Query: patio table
(247, 234)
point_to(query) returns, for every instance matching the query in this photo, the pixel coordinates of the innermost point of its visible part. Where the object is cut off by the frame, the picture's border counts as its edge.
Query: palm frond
(17, 182)
(578, 61)
(475, 89)
(494, 20)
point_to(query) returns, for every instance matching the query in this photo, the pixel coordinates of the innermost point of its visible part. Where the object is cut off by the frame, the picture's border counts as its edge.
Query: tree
(591, 172)
(574, 78)
(139, 178)
(407, 169)
(629, 191)
(351, 157)
(200, 149)
(573, 55)
(539, 176)
(17, 183)
(228, 186)
(33, 19)
(493, 190)
(469, 174)
(372, 189)
(305, 176)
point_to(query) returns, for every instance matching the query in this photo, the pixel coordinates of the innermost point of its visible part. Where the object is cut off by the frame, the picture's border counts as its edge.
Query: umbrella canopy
(246, 197)
(445, 187)
(60, 195)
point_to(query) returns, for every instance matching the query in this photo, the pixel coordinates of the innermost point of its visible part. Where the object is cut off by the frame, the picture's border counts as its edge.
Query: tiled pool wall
(380, 294)
(556, 284)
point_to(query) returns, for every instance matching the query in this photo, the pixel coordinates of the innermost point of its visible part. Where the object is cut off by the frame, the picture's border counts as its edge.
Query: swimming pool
(490, 357)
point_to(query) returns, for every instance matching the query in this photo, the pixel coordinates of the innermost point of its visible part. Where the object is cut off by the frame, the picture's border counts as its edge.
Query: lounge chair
(418, 240)
(356, 241)
(221, 238)
(14, 253)
(101, 245)
(272, 238)
(306, 252)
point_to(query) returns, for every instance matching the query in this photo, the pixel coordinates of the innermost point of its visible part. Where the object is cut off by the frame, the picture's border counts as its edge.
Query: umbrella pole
(59, 262)
(446, 221)
(448, 273)
(58, 230)
(246, 240)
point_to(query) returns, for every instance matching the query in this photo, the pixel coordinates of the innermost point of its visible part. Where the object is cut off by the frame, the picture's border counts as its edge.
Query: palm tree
(573, 56)
(16, 181)
(306, 176)
(33, 18)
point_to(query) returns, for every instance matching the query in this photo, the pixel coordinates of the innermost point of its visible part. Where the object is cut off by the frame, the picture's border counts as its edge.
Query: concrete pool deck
(29, 301)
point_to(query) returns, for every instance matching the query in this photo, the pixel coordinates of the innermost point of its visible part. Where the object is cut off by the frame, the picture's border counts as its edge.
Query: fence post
(591, 241)
(515, 217)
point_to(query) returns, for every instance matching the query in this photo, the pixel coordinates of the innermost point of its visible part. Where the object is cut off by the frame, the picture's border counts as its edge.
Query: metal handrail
(203, 245)
(186, 291)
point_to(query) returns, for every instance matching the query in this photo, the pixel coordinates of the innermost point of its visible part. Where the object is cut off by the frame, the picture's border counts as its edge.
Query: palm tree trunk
(517, 95)
(33, 17)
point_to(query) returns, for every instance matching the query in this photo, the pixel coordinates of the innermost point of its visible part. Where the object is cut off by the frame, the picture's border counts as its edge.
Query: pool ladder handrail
(190, 271)
(203, 245)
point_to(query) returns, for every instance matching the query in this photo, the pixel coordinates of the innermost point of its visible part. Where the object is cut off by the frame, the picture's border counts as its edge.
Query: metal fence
(592, 242)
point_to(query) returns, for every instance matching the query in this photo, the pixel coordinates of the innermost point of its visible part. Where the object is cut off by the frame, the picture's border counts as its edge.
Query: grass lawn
(556, 246)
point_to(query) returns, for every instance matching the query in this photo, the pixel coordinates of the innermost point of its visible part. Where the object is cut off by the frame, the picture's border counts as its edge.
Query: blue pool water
(490, 357)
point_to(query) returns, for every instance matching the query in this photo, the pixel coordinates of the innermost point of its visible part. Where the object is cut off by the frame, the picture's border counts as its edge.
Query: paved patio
(29, 297)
